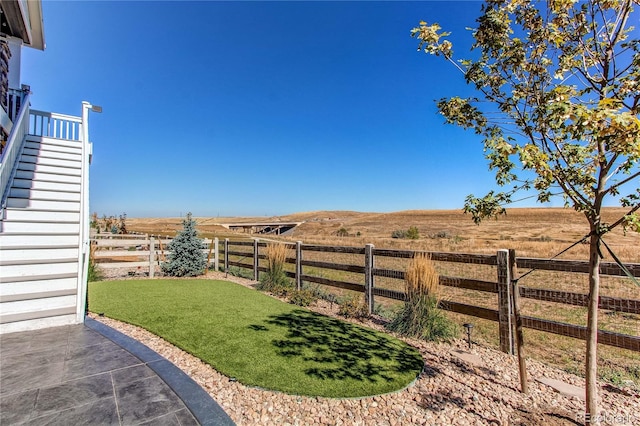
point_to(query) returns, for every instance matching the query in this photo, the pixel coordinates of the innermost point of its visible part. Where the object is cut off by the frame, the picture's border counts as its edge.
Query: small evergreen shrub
(186, 258)
(413, 233)
(275, 280)
(352, 306)
(420, 316)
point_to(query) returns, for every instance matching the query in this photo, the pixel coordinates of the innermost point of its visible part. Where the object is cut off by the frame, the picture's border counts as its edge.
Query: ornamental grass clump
(420, 316)
(93, 273)
(275, 280)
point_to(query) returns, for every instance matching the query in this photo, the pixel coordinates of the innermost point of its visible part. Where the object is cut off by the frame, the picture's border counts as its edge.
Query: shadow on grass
(338, 350)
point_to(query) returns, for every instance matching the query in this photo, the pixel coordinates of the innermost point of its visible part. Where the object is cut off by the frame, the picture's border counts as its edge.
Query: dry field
(532, 232)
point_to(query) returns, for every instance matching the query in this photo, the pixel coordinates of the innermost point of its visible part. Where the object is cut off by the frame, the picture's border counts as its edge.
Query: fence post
(216, 257)
(505, 327)
(226, 255)
(152, 257)
(210, 253)
(256, 273)
(368, 277)
(517, 320)
(299, 265)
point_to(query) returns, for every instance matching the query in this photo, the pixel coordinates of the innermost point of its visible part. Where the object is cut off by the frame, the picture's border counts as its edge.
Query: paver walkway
(92, 374)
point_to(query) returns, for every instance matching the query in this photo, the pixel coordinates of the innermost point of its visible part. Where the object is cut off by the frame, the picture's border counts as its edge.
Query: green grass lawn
(259, 340)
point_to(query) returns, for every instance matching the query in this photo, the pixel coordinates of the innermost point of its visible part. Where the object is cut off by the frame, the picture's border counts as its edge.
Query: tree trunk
(591, 368)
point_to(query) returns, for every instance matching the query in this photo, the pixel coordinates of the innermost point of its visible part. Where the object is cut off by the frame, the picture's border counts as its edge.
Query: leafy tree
(559, 97)
(186, 258)
(342, 232)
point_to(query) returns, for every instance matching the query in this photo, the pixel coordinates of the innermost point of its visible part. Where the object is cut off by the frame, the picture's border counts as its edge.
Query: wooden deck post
(368, 278)
(256, 273)
(505, 327)
(299, 265)
(226, 255)
(152, 257)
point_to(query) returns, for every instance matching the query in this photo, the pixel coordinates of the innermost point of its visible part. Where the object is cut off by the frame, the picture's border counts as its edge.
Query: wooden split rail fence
(505, 286)
(143, 253)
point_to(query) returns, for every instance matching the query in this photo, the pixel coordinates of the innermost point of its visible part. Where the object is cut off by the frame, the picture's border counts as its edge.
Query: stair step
(32, 278)
(47, 177)
(22, 215)
(77, 149)
(37, 261)
(44, 195)
(60, 206)
(45, 153)
(37, 295)
(40, 227)
(14, 273)
(29, 309)
(37, 255)
(39, 247)
(32, 167)
(15, 241)
(29, 289)
(49, 186)
(45, 161)
(52, 141)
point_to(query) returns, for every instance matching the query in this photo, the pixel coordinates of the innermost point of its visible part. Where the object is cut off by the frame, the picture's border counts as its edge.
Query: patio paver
(92, 374)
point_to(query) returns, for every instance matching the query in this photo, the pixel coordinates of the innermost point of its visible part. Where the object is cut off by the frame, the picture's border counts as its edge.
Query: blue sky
(260, 108)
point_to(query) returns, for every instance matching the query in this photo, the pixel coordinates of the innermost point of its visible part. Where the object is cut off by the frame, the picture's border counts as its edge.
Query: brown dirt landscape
(534, 232)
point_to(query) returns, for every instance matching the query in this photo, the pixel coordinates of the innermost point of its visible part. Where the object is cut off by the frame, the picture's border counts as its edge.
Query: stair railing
(55, 125)
(9, 158)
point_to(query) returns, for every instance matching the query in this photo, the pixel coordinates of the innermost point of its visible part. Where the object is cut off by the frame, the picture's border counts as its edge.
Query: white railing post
(83, 263)
(216, 257)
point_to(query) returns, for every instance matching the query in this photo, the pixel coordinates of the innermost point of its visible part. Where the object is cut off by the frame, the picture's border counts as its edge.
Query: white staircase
(43, 247)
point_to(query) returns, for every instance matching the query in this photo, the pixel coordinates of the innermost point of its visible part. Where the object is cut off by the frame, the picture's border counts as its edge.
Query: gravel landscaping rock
(449, 391)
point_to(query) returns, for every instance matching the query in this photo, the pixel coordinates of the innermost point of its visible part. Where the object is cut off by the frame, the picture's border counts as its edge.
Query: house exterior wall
(15, 45)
